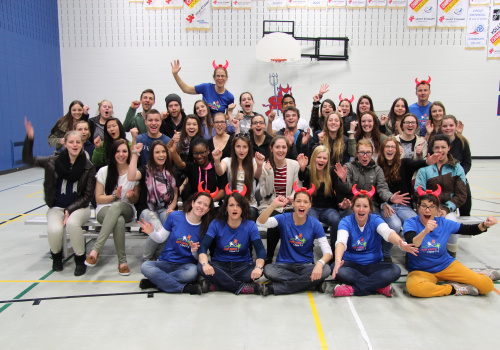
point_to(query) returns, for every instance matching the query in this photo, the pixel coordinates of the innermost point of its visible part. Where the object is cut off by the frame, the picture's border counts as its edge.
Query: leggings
(55, 229)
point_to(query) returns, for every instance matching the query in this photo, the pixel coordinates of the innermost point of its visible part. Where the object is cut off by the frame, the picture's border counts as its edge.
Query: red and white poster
(221, 4)
(356, 4)
(197, 15)
(337, 3)
(173, 4)
(153, 4)
(494, 33)
(316, 4)
(242, 4)
(452, 13)
(276, 4)
(297, 4)
(377, 4)
(396, 4)
(477, 27)
(422, 13)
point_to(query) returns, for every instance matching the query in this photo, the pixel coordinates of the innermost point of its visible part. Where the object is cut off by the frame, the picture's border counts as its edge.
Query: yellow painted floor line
(484, 189)
(64, 281)
(34, 193)
(39, 214)
(9, 221)
(317, 321)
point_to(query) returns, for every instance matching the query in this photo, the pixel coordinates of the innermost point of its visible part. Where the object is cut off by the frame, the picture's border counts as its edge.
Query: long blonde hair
(337, 149)
(326, 172)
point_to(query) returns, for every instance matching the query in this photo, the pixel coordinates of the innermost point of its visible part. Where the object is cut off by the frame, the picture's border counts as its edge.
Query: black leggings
(465, 209)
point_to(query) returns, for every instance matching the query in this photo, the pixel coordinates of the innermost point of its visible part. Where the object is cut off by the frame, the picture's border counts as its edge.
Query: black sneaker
(267, 289)
(192, 289)
(146, 284)
(206, 287)
(57, 263)
(320, 288)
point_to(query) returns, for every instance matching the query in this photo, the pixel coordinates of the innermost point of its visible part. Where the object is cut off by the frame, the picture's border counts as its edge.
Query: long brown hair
(207, 218)
(273, 142)
(152, 166)
(68, 118)
(337, 149)
(431, 118)
(375, 134)
(207, 119)
(247, 165)
(326, 171)
(391, 171)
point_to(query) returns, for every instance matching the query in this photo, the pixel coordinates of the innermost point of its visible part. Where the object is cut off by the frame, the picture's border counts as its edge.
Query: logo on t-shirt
(359, 245)
(184, 242)
(297, 241)
(233, 246)
(431, 247)
(214, 105)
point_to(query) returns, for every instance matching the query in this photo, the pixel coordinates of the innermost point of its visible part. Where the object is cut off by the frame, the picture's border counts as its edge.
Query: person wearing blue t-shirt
(295, 270)
(421, 107)
(232, 268)
(433, 263)
(216, 95)
(175, 271)
(358, 251)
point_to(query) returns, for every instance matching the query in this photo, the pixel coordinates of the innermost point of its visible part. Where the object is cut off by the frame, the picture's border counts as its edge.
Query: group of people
(358, 174)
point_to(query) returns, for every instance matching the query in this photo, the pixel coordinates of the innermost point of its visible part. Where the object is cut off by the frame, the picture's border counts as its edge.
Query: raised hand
(146, 227)
(86, 109)
(134, 132)
(164, 115)
(217, 154)
(341, 172)
(432, 159)
(268, 166)
(323, 89)
(135, 104)
(171, 147)
(259, 158)
(429, 127)
(289, 137)
(398, 198)
(177, 136)
(383, 119)
(306, 135)
(29, 129)
(138, 147)
(176, 67)
(418, 149)
(460, 127)
(316, 98)
(271, 115)
(431, 225)
(353, 125)
(98, 142)
(346, 203)
(303, 161)
(280, 201)
(321, 137)
(231, 107)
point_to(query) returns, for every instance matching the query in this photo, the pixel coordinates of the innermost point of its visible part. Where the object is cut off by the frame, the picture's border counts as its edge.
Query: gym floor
(61, 311)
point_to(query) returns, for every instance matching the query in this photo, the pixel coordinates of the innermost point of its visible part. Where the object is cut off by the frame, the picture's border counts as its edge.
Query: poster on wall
(337, 3)
(221, 4)
(479, 2)
(297, 4)
(477, 22)
(197, 15)
(494, 33)
(356, 4)
(173, 4)
(377, 4)
(396, 4)
(422, 13)
(276, 4)
(452, 13)
(242, 4)
(153, 4)
(316, 4)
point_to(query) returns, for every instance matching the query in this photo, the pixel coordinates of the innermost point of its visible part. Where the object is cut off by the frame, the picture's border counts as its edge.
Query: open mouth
(301, 211)
(427, 217)
(389, 154)
(161, 160)
(321, 165)
(191, 132)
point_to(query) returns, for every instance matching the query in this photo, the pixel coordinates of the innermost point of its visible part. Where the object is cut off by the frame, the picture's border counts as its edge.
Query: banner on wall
(356, 4)
(494, 33)
(422, 13)
(221, 4)
(242, 4)
(337, 3)
(173, 4)
(297, 4)
(153, 4)
(477, 22)
(396, 4)
(316, 4)
(197, 14)
(452, 13)
(377, 4)
(479, 2)
(276, 4)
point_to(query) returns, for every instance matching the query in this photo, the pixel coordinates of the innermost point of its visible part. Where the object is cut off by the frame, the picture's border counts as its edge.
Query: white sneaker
(464, 289)
(491, 273)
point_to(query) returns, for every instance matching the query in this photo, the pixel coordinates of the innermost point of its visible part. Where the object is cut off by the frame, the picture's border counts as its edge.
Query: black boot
(57, 264)
(80, 268)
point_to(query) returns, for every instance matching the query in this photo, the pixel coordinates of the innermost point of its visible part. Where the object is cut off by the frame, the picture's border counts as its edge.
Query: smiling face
(121, 154)
(241, 149)
(76, 111)
(246, 102)
(345, 108)
(219, 124)
(364, 105)
(364, 154)
(201, 109)
(423, 92)
(301, 204)
(106, 110)
(83, 129)
(400, 108)
(191, 127)
(200, 155)
(327, 109)
(409, 126)
(291, 119)
(153, 123)
(361, 208)
(73, 144)
(449, 128)
(441, 147)
(113, 129)
(287, 101)
(367, 123)
(147, 101)
(390, 150)
(321, 161)
(437, 113)
(233, 209)
(159, 155)
(201, 205)
(174, 109)
(427, 211)
(258, 125)
(333, 123)
(279, 150)
(220, 77)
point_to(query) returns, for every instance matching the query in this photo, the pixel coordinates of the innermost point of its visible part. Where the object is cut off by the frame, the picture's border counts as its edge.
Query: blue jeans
(169, 277)
(293, 278)
(328, 216)
(230, 276)
(395, 222)
(152, 250)
(366, 279)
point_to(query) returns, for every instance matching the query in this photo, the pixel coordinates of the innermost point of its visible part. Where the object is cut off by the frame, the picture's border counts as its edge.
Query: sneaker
(343, 290)
(57, 263)
(320, 288)
(250, 288)
(464, 289)
(91, 261)
(192, 289)
(146, 284)
(267, 289)
(491, 273)
(124, 270)
(206, 286)
(387, 291)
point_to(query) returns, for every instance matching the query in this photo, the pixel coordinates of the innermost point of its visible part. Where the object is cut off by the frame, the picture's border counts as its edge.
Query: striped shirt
(280, 181)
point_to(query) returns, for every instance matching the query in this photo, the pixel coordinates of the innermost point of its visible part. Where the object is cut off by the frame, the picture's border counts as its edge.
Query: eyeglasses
(410, 123)
(220, 76)
(259, 123)
(365, 154)
(243, 134)
(390, 147)
(197, 154)
(220, 122)
(424, 207)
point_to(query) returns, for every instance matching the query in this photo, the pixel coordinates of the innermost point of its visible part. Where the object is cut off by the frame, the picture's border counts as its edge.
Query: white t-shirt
(123, 181)
(279, 123)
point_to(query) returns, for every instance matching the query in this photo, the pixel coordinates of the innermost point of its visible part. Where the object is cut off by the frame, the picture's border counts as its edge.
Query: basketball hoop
(278, 63)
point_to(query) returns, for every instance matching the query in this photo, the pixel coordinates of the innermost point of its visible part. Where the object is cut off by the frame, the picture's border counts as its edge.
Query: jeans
(366, 279)
(293, 278)
(230, 276)
(168, 276)
(328, 216)
(55, 229)
(152, 250)
(395, 222)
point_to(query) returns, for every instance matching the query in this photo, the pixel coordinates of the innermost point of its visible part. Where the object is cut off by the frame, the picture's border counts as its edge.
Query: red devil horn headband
(303, 189)
(220, 65)
(370, 194)
(229, 192)
(436, 193)
(428, 81)
(342, 99)
(200, 189)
